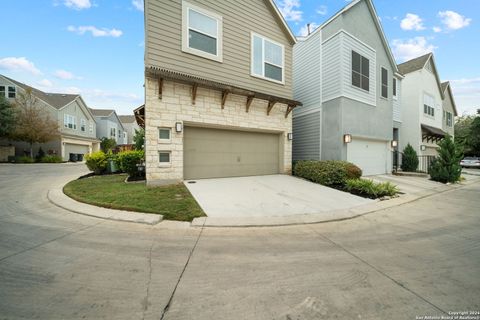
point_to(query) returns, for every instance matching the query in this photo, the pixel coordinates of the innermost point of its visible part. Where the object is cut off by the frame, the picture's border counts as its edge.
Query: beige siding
(240, 18)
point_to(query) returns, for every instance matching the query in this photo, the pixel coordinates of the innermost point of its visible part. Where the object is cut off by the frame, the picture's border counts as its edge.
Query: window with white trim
(202, 32)
(91, 127)
(428, 103)
(12, 92)
(360, 71)
(384, 83)
(267, 58)
(449, 119)
(113, 133)
(164, 157)
(2, 91)
(164, 134)
(83, 125)
(69, 122)
(394, 88)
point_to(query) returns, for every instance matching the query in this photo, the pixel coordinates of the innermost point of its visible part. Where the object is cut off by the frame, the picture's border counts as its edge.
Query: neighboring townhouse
(76, 123)
(109, 125)
(428, 106)
(218, 83)
(347, 79)
(130, 125)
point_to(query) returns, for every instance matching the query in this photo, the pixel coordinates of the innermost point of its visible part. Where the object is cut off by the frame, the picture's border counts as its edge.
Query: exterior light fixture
(347, 138)
(290, 136)
(423, 147)
(178, 127)
(394, 143)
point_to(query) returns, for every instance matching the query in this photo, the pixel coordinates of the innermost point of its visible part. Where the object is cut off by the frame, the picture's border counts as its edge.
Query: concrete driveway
(268, 196)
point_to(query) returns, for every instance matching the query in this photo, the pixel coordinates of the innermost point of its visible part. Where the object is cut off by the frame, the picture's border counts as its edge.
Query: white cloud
(19, 64)
(437, 29)
(138, 4)
(289, 10)
(412, 22)
(304, 29)
(466, 94)
(66, 75)
(408, 49)
(453, 20)
(104, 32)
(78, 4)
(45, 83)
(322, 10)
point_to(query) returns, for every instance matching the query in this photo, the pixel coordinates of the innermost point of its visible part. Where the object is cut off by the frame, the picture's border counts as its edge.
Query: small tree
(107, 144)
(409, 159)
(446, 168)
(33, 123)
(7, 117)
(139, 139)
(475, 136)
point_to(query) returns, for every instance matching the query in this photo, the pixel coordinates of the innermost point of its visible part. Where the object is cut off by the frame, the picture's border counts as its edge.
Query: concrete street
(421, 258)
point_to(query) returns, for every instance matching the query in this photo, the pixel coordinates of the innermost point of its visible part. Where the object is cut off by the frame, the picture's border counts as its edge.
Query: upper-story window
(201, 32)
(384, 83)
(394, 88)
(113, 133)
(69, 122)
(83, 125)
(2, 91)
(428, 103)
(12, 92)
(360, 71)
(91, 127)
(449, 119)
(267, 59)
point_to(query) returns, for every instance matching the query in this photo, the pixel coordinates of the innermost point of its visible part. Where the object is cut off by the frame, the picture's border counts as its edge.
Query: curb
(58, 198)
(332, 216)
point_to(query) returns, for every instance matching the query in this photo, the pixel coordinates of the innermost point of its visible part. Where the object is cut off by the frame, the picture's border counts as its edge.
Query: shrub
(51, 159)
(40, 155)
(24, 159)
(128, 160)
(328, 173)
(409, 159)
(96, 162)
(446, 168)
(107, 144)
(370, 189)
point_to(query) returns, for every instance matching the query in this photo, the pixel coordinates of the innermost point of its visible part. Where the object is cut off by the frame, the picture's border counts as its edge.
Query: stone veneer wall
(176, 106)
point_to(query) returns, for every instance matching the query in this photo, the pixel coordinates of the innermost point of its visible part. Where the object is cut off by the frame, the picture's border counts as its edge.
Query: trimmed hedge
(327, 173)
(96, 162)
(51, 159)
(128, 161)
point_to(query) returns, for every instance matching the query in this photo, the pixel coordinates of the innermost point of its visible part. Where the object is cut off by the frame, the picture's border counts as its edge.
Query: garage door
(75, 148)
(371, 156)
(214, 153)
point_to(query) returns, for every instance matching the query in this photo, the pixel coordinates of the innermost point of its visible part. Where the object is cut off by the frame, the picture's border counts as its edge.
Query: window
(428, 102)
(384, 83)
(164, 134)
(360, 71)
(394, 88)
(69, 122)
(91, 127)
(2, 91)
(267, 59)
(202, 32)
(83, 125)
(449, 119)
(113, 133)
(12, 92)
(164, 157)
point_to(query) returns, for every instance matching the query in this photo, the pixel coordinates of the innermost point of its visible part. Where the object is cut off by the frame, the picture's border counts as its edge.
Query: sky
(96, 47)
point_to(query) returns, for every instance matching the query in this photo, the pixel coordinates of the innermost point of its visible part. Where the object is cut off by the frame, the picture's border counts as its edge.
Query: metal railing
(424, 162)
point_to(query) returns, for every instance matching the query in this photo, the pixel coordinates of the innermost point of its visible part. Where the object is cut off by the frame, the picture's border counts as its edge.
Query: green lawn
(173, 202)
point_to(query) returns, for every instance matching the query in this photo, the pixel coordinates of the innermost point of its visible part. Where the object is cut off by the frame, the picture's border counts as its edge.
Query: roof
(56, 100)
(127, 118)
(446, 86)
(271, 4)
(102, 112)
(378, 25)
(414, 64)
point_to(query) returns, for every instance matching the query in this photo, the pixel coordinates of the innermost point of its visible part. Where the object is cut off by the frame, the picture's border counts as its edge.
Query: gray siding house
(76, 123)
(218, 89)
(130, 125)
(347, 79)
(109, 125)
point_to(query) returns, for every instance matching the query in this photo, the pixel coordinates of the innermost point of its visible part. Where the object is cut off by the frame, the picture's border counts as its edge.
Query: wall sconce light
(178, 127)
(347, 138)
(394, 143)
(423, 147)
(290, 136)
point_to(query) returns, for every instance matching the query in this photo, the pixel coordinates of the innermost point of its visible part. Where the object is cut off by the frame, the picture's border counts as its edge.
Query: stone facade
(176, 106)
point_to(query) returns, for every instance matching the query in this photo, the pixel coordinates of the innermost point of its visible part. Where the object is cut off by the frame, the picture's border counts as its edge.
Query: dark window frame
(360, 73)
(384, 77)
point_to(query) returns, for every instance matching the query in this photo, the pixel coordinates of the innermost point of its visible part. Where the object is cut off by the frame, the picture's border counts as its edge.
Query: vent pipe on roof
(308, 29)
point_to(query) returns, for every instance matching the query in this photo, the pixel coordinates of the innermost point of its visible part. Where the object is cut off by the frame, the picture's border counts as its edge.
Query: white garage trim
(372, 156)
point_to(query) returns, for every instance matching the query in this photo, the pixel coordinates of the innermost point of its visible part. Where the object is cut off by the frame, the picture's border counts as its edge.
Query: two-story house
(131, 127)
(76, 123)
(218, 85)
(109, 125)
(347, 79)
(428, 106)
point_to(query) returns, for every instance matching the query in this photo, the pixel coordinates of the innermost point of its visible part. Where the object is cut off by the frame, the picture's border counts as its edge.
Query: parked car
(470, 162)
